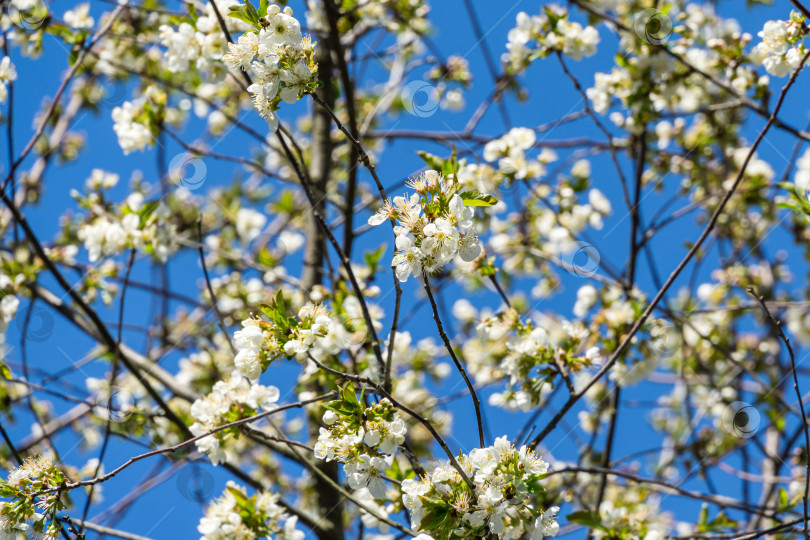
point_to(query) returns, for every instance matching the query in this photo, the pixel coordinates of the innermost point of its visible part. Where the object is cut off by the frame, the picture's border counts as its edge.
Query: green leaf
(246, 13)
(252, 11)
(488, 269)
(265, 258)
(281, 306)
(263, 5)
(192, 14)
(4, 371)
(587, 519)
(349, 394)
(240, 497)
(147, 211)
(372, 258)
(476, 198)
(434, 162)
(784, 500)
(451, 166)
(533, 485)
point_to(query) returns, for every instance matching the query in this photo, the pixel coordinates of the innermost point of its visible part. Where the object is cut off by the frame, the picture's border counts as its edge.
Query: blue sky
(169, 510)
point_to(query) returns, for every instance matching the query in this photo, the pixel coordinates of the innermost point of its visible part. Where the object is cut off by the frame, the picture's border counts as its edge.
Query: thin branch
(786, 340)
(459, 366)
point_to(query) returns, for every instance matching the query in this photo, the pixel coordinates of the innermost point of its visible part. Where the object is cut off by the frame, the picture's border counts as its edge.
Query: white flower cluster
(802, 178)
(431, 240)
(228, 401)
(551, 31)
(406, 18)
(363, 439)
(249, 223)
(8, 74)
(647, 75)
(443, 505)
(279, 59)
(524, 355)
(202, 43)
(9, 303)
(108, 233)
(314, 332)
(633, 511)
(108, 236)
(510, 153)
(26, 516)
(132, 133)
(781, 49)
(235, 515)
(79, 17)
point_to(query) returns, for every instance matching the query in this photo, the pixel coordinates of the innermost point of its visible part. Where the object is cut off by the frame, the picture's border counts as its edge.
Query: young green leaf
(476, 198)
(587, 519)
(434, 162)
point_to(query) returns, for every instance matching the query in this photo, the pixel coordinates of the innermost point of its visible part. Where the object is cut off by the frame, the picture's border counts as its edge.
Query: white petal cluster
(646, 75)
(8, 73)
(279, 60)
(503, 477)
(108, 234)
(132, 134)
(235, 515)
(9, 303)
(316, 324)
(802, 178)
(522, 354)
(366, 449)
(510, 153)
(79, 17)
(405, 18)
(631, 510)
(780, 50)
(249, 223)
(201, 45)
(229, 399)
(249, 343)
(313, 332)
(560, 34)
(434, 226)
(25, 516)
